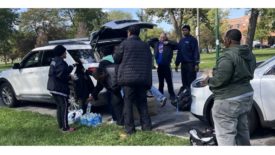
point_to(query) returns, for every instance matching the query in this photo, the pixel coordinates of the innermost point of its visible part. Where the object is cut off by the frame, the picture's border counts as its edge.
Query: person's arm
(118, 55)
(173, 44)
(178, 58)
(223, 73)
(152, 42)
(63, 72)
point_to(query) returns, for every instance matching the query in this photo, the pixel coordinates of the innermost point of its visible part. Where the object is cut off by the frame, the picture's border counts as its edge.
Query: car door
(29, 75)
(47, 57)
(267, 93)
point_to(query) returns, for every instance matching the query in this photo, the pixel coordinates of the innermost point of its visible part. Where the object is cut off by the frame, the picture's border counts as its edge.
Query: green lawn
(4, 66)
(27, 128)
(208, 60)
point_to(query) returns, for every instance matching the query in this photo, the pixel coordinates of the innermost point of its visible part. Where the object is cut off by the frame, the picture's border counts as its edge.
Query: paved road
(167, 120)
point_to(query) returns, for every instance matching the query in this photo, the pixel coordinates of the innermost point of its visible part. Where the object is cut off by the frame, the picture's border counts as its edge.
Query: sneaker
(69, 130)
(163, 102)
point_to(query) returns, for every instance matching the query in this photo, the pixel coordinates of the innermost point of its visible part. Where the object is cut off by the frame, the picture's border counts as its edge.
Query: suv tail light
(92, 69)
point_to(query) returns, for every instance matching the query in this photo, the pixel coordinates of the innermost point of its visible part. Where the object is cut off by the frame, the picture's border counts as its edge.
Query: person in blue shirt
(163, 51)
(188, 56)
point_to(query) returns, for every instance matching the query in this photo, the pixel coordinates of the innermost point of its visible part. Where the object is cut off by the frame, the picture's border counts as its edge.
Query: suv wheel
(7, 95)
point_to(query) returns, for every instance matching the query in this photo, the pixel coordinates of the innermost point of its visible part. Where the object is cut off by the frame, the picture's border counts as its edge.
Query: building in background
(241, 24)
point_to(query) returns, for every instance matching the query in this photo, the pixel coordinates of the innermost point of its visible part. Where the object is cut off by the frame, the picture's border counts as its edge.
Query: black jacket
(135, 63)
(83, 85)
(168, 48)
(105, 75)
(59, 76)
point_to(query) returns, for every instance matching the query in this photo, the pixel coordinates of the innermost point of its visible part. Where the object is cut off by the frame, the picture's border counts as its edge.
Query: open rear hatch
(114, 32)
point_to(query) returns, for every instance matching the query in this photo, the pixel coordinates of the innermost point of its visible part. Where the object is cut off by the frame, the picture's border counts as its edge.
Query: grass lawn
(208, 61)
(4, 66)
(27, 128)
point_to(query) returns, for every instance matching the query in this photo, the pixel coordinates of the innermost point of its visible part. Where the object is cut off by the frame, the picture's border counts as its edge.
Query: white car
(27, 80)
(263, 111)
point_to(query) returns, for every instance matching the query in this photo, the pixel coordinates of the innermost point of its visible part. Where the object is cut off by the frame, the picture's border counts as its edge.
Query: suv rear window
(86, 55)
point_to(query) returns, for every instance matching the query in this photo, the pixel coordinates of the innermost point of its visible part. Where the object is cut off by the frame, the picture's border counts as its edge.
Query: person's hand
(205, 81)
(74, 77)
(90, 98)
(165, 42)
(176, 68)
(197, 68)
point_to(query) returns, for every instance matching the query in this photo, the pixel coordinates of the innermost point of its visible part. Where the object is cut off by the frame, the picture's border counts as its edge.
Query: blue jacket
(188, 51)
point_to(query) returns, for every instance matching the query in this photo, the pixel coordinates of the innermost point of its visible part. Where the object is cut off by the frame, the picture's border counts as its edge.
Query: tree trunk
(252, 27)
(175, 24)
(82, 30)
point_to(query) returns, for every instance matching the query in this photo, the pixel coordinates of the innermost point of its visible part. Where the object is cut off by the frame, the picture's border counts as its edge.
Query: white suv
(27, 80)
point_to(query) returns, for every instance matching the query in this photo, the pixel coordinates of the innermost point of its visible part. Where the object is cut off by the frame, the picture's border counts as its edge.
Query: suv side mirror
(16, 66)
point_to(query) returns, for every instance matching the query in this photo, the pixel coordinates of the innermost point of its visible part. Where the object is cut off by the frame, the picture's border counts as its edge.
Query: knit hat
(59, 50)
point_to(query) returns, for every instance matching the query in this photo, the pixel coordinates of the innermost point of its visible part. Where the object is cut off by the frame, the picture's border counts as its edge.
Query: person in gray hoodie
(232, 91)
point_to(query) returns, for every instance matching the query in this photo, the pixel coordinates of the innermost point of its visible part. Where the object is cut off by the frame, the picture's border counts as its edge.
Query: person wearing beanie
(189, 57)
(58, 85)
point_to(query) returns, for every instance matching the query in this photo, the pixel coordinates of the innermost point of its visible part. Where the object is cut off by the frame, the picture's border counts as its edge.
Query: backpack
(184, 99)
(203, 138)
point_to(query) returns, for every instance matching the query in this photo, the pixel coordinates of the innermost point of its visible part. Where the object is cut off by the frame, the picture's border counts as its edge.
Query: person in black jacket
(163, 51)
(189, 57)
(58, 85)
(135, 76)
(83, 85)
(106, 76)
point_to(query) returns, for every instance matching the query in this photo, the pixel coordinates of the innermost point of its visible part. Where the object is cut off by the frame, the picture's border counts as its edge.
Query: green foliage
(26, 128)
(266, 24)
(118, 15)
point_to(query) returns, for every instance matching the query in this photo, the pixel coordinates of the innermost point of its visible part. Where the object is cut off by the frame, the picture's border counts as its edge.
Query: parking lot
(168, 119)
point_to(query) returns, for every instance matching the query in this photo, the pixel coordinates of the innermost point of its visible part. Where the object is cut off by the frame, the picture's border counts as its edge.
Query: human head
(163, 37)
(60, 51)
(232, 36)
(106, 50)
(185, 30)
(133, 30)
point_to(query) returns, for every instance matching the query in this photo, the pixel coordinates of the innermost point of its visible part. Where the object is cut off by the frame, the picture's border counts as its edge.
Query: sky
(233, 13)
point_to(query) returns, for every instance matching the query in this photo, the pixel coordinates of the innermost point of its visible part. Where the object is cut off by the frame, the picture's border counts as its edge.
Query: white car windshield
(266, 62)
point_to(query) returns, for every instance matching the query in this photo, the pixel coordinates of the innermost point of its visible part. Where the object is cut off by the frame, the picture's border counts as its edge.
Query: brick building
(241, 23)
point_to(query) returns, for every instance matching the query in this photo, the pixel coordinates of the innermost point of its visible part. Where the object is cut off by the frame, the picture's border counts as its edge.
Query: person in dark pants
(58, 85)
(163, 51)
(135, 76)
(106, 76)
(189, 57)
(83, 85)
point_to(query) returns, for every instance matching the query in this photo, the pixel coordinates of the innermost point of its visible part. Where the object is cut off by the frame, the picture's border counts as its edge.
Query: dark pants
(164, 72)
(116, 106)
(62, 111)
(137, 96)
(188, 74)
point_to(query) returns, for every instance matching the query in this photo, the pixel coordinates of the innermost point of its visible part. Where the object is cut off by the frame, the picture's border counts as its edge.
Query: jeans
(157, 94)
(230, 121)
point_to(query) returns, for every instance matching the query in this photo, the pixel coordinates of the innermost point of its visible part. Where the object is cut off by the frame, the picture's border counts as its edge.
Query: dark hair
(59, 50)
(185, 26)
(107, 50)
(234, 34)
(134, 30)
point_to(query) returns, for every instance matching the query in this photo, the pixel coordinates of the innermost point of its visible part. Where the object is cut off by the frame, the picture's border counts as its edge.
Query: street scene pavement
(167, 120)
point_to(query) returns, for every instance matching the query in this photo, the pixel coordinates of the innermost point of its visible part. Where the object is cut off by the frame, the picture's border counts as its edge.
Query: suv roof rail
(70, 41)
